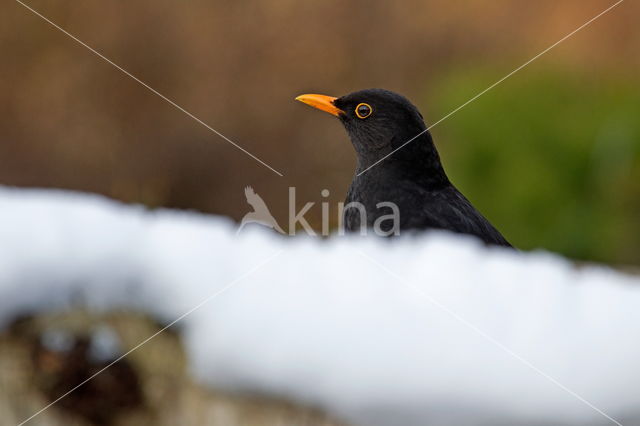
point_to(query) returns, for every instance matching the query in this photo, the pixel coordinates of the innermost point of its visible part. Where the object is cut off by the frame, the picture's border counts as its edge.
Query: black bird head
(380, 122)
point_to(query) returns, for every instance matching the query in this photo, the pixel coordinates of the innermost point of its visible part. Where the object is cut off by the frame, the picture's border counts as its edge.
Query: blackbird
(379, 122)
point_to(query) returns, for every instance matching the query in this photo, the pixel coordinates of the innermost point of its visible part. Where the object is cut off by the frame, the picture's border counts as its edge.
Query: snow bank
(435, 329)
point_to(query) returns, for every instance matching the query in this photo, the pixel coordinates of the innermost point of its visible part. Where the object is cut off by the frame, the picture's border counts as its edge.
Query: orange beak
(321, 102)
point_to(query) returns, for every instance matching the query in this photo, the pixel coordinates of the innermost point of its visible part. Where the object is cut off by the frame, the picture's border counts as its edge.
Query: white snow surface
(434, 329)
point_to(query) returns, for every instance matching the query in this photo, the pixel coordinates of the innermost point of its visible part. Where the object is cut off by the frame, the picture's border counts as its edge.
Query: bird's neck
(417, 161)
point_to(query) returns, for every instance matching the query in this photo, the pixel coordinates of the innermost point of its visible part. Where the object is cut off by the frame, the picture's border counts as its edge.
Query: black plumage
(378, 122)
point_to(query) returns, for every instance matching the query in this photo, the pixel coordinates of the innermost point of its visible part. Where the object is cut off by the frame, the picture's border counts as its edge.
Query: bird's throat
(417, 160)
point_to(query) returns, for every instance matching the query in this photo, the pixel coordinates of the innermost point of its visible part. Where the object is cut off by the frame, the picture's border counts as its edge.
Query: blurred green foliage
(551, 157)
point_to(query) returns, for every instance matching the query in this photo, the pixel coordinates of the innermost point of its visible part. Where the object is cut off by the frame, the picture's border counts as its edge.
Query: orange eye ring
(363, 110)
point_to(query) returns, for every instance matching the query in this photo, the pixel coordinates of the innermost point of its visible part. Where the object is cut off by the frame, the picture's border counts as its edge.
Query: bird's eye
(363, 110)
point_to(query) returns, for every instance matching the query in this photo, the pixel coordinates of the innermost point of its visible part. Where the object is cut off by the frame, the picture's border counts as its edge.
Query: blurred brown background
(551, 156)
